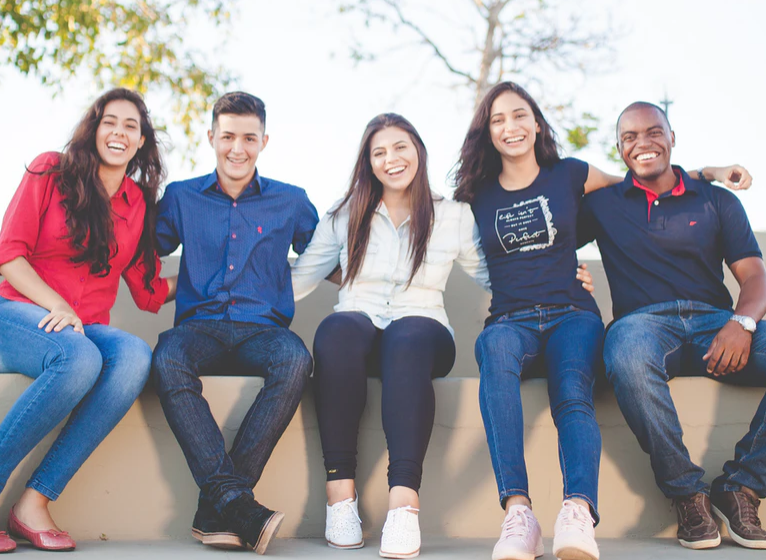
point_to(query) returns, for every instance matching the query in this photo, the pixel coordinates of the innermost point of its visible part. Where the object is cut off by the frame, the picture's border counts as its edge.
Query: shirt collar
(129, 191)
(685, 184)
(211, 182)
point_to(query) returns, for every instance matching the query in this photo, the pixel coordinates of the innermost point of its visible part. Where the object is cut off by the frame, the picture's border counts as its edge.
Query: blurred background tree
(139, 44)
(484, 42)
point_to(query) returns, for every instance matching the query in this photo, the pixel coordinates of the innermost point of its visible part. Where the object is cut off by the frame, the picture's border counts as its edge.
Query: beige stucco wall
(137, 485)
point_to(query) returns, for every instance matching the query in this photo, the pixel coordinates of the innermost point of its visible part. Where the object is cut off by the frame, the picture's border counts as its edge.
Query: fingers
(585, 277)
(55, 322)
(746, 180)
(713, 356)
(738, 178)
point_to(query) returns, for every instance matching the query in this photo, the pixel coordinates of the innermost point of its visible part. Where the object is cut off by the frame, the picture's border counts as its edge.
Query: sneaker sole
(572, 553)
(331, 544)
(384, 554)
(268, 532)
(519, 555)
(699, 545)
(735, 537)
(226, 541)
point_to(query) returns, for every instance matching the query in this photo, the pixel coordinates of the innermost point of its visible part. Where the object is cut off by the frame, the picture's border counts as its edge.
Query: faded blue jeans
(95, 377)
(645, 349)
(205, 347)
(568, 342)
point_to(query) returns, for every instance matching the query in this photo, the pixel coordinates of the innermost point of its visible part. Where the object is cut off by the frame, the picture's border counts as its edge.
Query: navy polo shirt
(673, 252)
(234, 262)
(529, 237)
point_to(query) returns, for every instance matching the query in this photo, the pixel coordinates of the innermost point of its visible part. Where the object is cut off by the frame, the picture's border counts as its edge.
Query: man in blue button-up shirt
(233, 308)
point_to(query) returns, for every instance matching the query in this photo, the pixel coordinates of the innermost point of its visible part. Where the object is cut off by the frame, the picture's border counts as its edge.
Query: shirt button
(656, 202)
(82, 279)
(231, 267)
(233, 235)
(76, 303)
(234, 302)
(234, 204)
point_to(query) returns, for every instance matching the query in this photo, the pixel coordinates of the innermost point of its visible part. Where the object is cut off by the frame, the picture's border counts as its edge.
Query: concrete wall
(137, 485)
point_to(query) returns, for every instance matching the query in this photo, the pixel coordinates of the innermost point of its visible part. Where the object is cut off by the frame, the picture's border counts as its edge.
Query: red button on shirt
(35, 228)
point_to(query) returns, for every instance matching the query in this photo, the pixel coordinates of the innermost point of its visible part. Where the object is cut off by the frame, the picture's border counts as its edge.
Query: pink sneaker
(521, 537)
(574, 536)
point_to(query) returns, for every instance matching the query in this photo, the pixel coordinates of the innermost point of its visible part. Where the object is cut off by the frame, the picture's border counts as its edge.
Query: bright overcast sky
(709, 57)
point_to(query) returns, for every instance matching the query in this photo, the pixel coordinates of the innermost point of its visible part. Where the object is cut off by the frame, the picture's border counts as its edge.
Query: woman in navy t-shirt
(525, 199)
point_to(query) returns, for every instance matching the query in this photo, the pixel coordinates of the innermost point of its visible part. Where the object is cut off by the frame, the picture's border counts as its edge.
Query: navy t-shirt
(529, 237)
(675, 251)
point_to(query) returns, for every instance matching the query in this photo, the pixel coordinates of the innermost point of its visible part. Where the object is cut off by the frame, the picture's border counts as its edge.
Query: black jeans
(206, 347)
(407, 355)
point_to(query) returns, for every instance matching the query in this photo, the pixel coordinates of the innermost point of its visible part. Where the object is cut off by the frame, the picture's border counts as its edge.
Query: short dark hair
(239, 103)
(641, 105)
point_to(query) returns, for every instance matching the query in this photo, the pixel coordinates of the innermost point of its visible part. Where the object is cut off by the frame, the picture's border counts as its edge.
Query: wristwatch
(748, 323)
(702, 175)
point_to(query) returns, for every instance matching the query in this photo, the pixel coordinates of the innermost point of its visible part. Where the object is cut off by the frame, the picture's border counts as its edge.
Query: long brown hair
(85, 200)
(479, 160)
(366, 191)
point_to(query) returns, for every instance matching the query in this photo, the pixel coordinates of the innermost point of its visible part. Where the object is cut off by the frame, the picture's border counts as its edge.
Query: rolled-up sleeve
(21, 224)
(146, 299)
(471, 256)
(318, 260)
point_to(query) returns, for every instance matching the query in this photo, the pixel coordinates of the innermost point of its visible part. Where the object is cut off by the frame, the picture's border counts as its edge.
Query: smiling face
(394, 158)
(645, 142)
(237, 141)
(512, 126)
(118, 136)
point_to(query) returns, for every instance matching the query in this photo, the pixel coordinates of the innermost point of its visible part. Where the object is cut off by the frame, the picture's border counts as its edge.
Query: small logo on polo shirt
(692, 223)
(260, 229)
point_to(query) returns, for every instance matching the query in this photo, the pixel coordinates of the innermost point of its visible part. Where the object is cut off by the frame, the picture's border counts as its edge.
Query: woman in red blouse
(78, 221)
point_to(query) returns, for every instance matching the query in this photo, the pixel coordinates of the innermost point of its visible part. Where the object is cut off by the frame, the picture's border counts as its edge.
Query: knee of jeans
(625, 349)
(135, 358)
(81, 362)
(573, 405)
(167, 367)
(495, 353)
(295, 362)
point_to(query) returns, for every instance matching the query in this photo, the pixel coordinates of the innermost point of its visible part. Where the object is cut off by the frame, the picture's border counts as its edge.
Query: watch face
(748, 323)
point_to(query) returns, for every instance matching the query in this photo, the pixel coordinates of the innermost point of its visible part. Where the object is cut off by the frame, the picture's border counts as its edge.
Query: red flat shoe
(44, 540)
(7, 544)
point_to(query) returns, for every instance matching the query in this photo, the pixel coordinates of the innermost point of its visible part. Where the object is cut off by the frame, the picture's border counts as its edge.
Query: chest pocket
(435, 269)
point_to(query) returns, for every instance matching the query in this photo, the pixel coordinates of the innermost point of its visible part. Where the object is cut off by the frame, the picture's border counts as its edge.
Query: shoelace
(346, 505)
(750, 510)
(514, 525)
(396, 514)
(691, 508)
(572, 514)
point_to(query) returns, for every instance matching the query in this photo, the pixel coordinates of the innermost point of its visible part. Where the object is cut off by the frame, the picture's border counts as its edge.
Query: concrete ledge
(137, 485)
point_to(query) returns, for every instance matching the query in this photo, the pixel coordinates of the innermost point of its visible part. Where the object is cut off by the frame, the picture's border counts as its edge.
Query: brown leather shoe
(696, 527)
(739, 511)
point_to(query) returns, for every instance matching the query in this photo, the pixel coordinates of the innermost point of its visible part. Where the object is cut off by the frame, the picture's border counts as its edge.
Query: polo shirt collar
(689, 184)
(211, 181)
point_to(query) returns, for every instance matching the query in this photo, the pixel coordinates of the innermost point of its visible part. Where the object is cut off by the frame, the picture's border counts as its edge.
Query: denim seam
(43, 489)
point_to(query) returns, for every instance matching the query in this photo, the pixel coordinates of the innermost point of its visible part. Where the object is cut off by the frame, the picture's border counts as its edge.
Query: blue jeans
(568, 341)
(207, 347)
(646, 348)
(93, 378)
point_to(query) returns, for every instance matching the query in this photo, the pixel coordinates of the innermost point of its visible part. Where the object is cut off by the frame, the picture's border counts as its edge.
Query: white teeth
(116, 146)
(395, 170)
(644, 157)
(514, 139)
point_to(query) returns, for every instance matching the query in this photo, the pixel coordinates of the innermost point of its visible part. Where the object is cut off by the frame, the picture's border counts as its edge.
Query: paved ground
(433, 549)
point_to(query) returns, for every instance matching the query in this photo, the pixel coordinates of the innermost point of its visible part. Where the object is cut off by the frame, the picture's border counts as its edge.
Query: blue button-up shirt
(234, 262)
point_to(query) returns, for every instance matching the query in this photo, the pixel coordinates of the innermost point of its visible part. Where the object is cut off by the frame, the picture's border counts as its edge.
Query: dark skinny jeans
(407, 355)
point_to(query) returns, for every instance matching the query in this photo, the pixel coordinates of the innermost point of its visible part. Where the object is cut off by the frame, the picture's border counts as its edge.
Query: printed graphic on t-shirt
(525, 226)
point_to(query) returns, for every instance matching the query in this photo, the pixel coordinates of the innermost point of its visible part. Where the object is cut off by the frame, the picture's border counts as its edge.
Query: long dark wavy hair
(85, 200)
(365, 193)
(479, 160)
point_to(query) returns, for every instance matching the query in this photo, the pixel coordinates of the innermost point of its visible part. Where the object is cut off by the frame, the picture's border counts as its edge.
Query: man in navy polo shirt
(233, 308)
(663, 238)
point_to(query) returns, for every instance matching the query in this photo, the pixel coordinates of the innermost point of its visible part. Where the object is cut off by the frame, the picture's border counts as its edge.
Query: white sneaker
(343, 528)
(521, 537)
(401, 534)
(574, 535)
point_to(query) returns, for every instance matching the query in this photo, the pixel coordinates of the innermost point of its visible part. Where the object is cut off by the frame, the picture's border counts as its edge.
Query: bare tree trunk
(489, 53)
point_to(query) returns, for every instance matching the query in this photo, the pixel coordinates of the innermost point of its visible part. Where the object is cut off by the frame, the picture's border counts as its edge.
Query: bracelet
(701, 174)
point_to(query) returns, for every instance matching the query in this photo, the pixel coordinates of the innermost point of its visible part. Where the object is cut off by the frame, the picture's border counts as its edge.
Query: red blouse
(34, 227)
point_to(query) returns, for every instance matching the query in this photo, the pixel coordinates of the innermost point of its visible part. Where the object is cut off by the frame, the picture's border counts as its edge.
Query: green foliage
(578, 136)
(138, 44)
